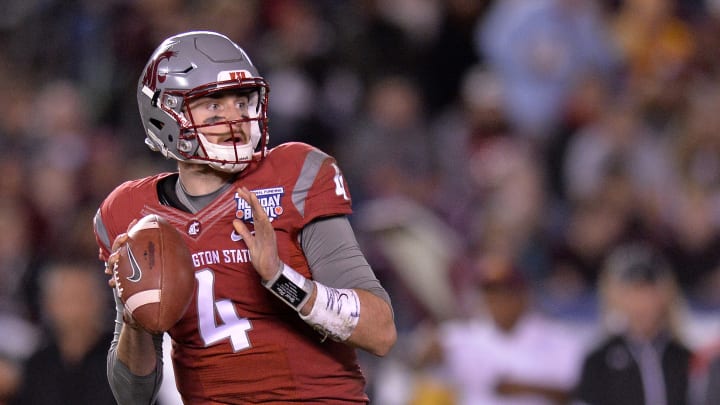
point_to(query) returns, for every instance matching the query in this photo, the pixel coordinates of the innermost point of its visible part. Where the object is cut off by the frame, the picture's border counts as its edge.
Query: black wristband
(291, 287)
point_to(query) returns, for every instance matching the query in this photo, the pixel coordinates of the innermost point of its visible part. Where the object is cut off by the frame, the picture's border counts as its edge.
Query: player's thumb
(243, 231)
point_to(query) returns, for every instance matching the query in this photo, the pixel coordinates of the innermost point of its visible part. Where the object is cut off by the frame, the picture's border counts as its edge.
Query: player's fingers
(123, 237)
(263, 228)
(132, 223)
(113, 258)
(243, 231)
(119, 241)
(261, 243)
(111, 262)
(110, 269)
(259, 215)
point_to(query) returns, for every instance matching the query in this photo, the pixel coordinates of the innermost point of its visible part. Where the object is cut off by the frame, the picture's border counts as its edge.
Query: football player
(284, 295)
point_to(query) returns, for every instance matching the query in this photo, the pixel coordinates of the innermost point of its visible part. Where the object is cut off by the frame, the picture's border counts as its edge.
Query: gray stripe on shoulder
(308, 173)
(101, 230)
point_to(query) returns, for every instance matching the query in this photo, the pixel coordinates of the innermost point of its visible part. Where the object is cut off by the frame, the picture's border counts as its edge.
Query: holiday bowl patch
(270, 199)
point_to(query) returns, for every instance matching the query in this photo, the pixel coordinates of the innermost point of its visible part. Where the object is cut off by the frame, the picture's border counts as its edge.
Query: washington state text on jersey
(208, 257)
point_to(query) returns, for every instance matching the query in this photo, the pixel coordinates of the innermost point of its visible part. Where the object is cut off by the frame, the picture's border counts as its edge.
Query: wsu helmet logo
(152, 77)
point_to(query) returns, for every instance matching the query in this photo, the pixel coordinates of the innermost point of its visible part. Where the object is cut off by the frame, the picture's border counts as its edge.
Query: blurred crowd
(535, 137)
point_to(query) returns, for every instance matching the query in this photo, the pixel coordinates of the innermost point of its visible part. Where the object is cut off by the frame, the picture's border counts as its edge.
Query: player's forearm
(136, 385)
(128, 388)
(356, 317)
(136, 350)
(375, 331)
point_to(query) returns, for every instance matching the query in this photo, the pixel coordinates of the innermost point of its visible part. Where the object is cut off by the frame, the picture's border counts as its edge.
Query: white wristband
(335, 313)
(291, 287)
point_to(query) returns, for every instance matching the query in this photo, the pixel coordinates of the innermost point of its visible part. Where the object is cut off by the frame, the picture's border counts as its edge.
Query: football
(154, 276)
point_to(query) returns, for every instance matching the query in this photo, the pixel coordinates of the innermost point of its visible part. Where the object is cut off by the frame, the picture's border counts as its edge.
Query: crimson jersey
(238, 343)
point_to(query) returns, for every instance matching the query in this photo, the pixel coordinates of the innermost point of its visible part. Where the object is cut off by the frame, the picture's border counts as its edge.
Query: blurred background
(545, 133)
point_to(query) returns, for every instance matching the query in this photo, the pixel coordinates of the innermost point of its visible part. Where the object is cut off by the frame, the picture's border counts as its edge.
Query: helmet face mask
(194, 65)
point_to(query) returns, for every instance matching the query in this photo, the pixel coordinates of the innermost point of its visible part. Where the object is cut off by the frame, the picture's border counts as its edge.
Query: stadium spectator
(68, 366)
(509, 352)
(643, 360)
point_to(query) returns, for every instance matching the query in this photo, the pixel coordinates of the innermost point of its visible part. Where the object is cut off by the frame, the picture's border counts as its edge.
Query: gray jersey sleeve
(128, 388)
(335, 258)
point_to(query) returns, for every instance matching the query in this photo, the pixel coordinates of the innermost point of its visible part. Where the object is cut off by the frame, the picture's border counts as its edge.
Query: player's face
(505, 304)
(646, 306)
(223, 117)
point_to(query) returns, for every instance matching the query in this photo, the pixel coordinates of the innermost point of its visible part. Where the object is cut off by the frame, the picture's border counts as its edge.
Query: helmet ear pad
(188, 145)
(190, 65)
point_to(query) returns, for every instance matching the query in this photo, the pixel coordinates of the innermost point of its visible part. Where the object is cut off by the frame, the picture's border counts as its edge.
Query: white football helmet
(192, 65)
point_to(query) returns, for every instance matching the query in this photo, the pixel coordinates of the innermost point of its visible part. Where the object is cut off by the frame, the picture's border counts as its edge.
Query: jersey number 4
(232, 327)
(339, 183)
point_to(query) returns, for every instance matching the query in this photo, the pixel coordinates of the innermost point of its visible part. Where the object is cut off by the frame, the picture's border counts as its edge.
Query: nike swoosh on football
(137, 271)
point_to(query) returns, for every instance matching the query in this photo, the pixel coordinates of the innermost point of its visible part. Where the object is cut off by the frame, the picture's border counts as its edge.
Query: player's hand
(110, 265)
(115, 255)
(262, 244)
